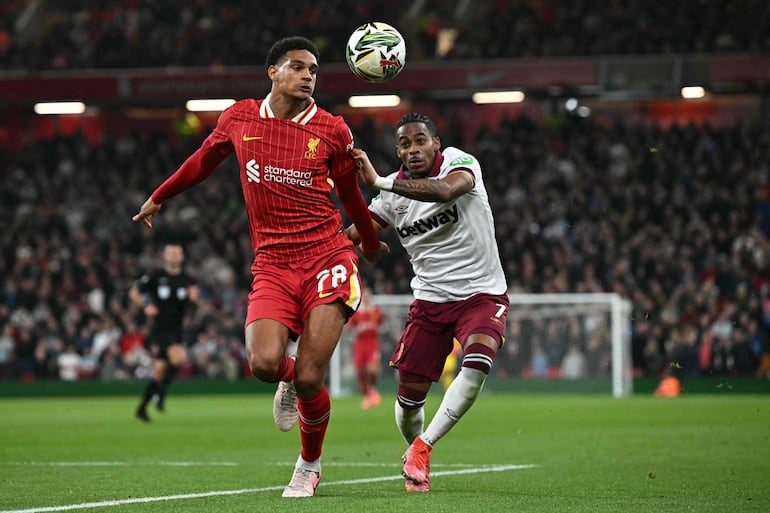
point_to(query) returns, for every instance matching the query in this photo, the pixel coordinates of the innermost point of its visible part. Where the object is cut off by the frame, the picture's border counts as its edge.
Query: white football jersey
(451, 245)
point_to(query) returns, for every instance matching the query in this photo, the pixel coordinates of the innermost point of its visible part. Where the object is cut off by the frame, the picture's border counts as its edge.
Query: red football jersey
(287, 170)
(367, 322)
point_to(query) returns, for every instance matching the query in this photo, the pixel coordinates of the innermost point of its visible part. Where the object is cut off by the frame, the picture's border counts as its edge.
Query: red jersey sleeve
(343, 171)
(342, 163)
(200, 164)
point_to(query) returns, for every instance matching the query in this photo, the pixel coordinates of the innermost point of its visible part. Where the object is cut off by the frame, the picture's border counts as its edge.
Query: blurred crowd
(72, 34)
(675, 220)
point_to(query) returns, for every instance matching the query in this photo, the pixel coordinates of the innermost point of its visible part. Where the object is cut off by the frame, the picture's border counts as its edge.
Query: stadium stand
(675, 218)
(72, 34)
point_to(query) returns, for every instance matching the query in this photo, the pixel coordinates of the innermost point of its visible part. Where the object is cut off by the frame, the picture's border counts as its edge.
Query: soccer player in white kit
(438, 205)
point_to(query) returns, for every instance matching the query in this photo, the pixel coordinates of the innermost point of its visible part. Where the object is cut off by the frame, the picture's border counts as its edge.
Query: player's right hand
(373, 256)
(149, 209)
(366, 170)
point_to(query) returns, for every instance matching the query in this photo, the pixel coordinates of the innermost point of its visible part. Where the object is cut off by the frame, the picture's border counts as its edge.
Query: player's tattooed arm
(453, 185)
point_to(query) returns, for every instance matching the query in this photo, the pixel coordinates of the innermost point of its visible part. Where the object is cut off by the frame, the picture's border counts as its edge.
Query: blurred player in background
(449, 371)
(291, 154)
(366, 348)
(164, 295)
(438, 205)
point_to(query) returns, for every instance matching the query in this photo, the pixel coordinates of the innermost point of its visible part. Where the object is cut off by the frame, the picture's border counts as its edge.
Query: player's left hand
(366, 170)
(149, 209)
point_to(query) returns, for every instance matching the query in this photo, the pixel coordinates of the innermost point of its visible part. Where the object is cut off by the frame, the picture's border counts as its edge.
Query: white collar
(302, 118)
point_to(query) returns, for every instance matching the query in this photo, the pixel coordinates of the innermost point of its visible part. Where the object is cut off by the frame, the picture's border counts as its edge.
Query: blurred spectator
(69, 364)
(7, 356)
(574, 364)
(539, 363)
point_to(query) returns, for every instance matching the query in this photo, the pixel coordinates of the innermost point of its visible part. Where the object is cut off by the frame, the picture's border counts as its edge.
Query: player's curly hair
(281, 47)
(414, 117)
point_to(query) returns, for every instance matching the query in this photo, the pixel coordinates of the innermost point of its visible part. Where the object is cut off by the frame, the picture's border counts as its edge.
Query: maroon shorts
(287, 292)
(431, 328)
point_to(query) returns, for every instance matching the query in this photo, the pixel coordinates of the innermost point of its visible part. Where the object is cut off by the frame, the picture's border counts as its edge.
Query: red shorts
(287, 292)
(366, 351)
(431, 327)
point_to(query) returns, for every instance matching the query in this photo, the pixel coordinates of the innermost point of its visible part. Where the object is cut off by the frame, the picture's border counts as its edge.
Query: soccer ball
(376, 52)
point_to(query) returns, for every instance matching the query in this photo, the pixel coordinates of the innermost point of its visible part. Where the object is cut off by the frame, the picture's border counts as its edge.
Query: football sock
(285, 370)
(313, 420)
(314, 465)
(458, 398)
(170, 374)
(372, 379)
(363, 381)
(150, 390)
(479, 356)
(409, 422)
(168, 377)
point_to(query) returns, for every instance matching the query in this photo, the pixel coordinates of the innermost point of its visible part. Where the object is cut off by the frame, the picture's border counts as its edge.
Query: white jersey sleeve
(451, 245)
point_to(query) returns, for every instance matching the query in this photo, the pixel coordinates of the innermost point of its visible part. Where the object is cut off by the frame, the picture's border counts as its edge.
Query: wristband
(386, 184)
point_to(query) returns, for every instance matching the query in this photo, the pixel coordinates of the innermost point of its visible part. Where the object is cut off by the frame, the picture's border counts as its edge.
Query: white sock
(315, 466)
(459, 397)
(409, 422)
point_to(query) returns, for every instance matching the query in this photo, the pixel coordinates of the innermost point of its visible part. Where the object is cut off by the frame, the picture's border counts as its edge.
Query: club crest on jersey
(312, 147)
(422, 226)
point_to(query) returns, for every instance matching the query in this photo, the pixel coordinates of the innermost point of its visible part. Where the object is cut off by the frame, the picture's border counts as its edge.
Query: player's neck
(286, 107)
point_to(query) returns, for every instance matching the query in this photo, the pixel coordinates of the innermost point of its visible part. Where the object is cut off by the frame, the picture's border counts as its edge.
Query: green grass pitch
(707, 453)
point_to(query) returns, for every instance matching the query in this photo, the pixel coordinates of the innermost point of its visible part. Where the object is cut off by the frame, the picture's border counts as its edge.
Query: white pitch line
(139, 500)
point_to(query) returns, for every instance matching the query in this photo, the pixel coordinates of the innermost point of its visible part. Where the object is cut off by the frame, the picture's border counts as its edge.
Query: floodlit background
(626, 152)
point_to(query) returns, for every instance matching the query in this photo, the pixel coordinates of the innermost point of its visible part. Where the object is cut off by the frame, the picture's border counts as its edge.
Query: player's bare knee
(308, 385)
(262, 367)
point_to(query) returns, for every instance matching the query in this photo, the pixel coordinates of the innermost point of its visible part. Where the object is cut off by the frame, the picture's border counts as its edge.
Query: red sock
(363, 381)
(285, 370)
(313, 420)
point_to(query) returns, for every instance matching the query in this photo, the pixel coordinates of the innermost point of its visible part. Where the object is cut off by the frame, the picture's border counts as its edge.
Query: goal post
(554, 343)
(587, 307)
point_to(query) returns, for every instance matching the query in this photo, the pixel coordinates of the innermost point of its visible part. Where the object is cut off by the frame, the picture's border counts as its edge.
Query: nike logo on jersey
(247, 138)
(325, 294)
(422, 226)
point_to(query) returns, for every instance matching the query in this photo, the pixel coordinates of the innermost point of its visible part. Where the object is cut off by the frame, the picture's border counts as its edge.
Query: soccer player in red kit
(366, 349)
(291, 154)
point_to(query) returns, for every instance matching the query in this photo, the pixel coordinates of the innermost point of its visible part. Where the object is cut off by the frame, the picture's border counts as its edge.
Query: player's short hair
(414, 117)
(281, 47)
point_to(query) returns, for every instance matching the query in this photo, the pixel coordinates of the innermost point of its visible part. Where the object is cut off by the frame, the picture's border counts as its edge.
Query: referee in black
(164, 296)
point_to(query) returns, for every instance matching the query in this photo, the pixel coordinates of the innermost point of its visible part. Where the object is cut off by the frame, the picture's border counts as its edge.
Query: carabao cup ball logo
(376, 52)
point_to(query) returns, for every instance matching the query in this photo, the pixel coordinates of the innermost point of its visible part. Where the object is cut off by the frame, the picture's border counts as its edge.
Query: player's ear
(437, 142)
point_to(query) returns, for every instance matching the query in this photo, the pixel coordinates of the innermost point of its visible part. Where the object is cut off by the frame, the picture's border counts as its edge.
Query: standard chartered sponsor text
(287, 176)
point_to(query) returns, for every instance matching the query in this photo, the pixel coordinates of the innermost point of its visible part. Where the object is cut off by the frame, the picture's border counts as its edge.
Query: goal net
(554, 343)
